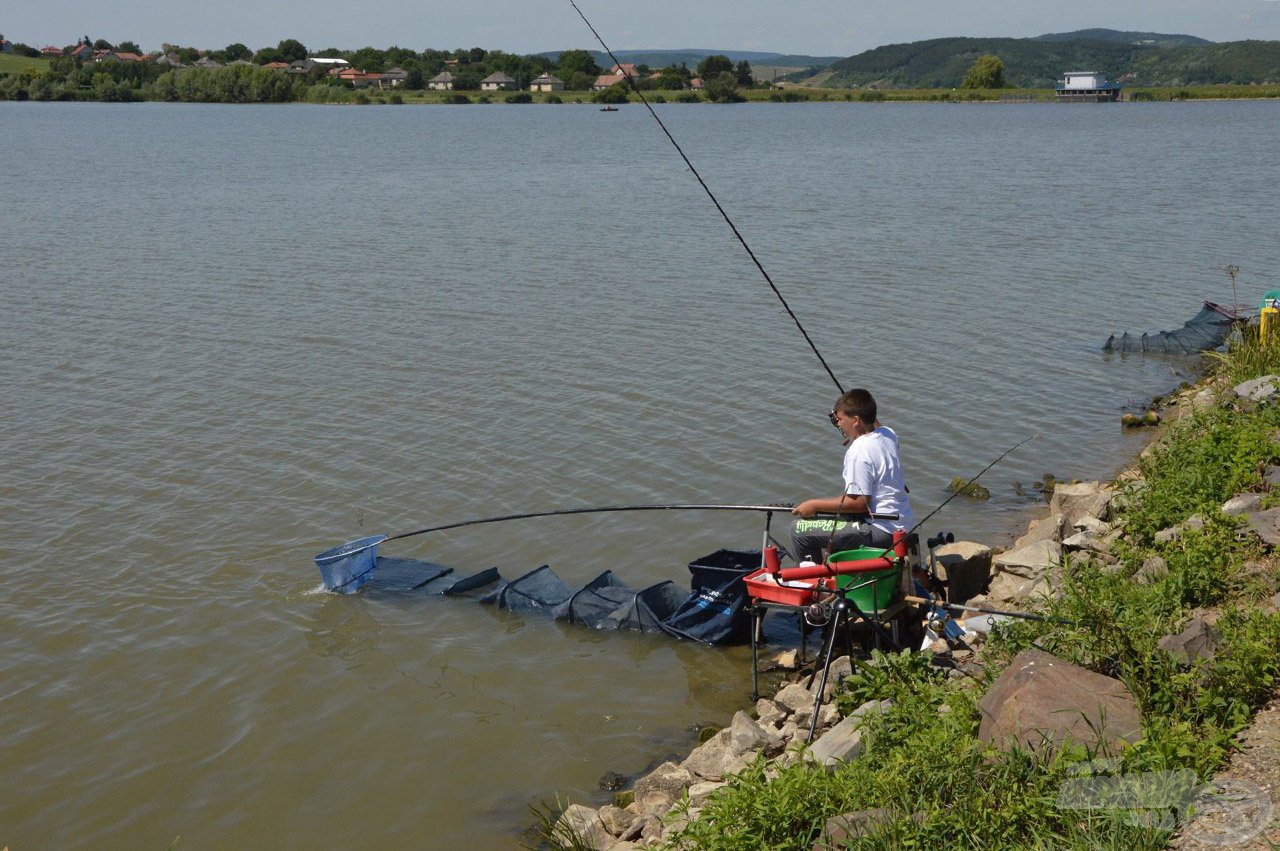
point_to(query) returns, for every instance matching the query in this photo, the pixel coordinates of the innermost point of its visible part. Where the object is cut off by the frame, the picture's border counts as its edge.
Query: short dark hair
(858, 403)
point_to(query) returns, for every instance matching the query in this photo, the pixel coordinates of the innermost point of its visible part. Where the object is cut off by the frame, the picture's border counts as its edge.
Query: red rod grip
(836, 568)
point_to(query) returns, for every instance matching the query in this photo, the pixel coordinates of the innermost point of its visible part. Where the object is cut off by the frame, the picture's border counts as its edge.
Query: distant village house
(442, 82)
(546, 83)
(497, 81)
(604, 81)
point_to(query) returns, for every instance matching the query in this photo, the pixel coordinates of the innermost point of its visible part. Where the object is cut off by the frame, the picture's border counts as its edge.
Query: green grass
(11, 64)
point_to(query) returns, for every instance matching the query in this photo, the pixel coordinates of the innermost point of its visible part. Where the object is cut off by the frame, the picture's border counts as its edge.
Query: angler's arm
(849, 504)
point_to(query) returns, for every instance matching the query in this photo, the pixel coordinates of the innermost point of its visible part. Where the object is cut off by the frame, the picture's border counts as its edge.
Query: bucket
(870, 590)
(344, 569)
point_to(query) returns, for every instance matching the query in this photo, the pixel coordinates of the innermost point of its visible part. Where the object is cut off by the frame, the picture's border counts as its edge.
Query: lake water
(237, 336)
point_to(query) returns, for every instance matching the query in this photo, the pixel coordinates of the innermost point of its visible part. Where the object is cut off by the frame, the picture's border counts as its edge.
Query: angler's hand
(808, 508)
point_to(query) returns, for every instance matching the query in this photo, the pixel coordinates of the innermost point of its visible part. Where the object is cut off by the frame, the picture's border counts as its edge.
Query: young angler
(873, 484)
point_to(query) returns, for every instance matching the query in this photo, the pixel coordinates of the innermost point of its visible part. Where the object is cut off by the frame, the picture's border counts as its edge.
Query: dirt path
(1252, 785)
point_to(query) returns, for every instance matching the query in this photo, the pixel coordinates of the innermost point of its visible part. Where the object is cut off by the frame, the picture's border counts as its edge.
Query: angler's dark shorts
(810, 537)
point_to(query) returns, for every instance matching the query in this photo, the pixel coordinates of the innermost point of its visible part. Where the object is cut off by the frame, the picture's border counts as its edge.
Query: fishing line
(636, 87)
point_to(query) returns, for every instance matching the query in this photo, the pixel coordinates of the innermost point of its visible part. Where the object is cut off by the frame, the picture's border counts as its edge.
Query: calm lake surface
(237, 336)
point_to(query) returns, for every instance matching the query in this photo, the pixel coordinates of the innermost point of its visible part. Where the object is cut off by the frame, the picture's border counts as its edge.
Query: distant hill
(1153, 39)
(692, 56)
(1040, 62)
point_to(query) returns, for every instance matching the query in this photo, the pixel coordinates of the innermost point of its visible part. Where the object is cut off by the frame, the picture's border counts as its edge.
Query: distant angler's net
(1205, 331)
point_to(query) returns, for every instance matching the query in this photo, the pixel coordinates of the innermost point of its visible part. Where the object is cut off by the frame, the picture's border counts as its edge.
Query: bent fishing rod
(636, 88)
(610, 508)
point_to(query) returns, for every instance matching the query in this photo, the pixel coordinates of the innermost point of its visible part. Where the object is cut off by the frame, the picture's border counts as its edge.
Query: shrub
(457, 97)
(519, 97)
(554, 99)
(395, 99)
(871, 95)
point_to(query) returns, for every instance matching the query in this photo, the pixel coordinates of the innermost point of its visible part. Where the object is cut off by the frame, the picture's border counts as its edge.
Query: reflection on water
(229, 351)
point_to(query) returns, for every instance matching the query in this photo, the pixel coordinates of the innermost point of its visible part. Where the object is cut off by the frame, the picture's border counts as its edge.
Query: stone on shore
(616, 820)
(699, 792)
(1073, 502)
(732, 749)
(769, 713)
(1262, 389)
(1267, 525)
(1008, 588)
(843, 742)
(1153, 568)
(584, 822)
(1041, 529)
(1243, 503)
(966, 567)
(1031, 561)
(1040, 701)
(847, 826)
(1174, 533)
(1199, 640)
(657, 790)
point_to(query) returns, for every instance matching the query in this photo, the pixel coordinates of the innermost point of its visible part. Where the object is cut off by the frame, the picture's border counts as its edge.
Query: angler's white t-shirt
(872, 469)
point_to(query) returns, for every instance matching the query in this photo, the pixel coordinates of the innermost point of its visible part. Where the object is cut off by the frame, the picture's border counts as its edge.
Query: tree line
(71, 79)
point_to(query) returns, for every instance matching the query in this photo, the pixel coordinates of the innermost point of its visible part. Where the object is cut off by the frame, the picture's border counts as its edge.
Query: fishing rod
(636, 88)
(1023, 615)
(609, 508)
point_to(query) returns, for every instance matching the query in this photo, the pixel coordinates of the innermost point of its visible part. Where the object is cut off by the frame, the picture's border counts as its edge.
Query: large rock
(732, 749)
(839, 830)
(966, 567)
(1194, 523)
(1040, 701)
(795, 697)
(1154, 568)
(616, 820)
(1042, 529)
(843, 742)
(1083, 499)
(1262, 389)
(1242, 503)
(1199, 640)
(1267, 525)
(1011, 588)
(770, 713)
(657, 790)
(584, 822)
(1031, 561)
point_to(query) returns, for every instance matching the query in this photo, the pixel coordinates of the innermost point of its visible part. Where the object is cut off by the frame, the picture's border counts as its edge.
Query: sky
(812, 27)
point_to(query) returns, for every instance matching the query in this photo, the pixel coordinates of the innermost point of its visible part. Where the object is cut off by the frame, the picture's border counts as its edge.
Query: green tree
(713, 65)
(292, 50)
(987, 72)
(578, 62)
(674, 77)
(369, 59)
(415, 81)
(267, 55)
(236, 51)
(743, 73)
(723, 88)
(128, 47)
(102, 44)
(617, 93)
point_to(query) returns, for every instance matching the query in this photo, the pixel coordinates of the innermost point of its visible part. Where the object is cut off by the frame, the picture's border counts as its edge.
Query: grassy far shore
(22, 65)
(944, 787)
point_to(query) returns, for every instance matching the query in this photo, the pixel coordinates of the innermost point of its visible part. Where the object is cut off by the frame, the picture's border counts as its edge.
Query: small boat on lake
(608, 109)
